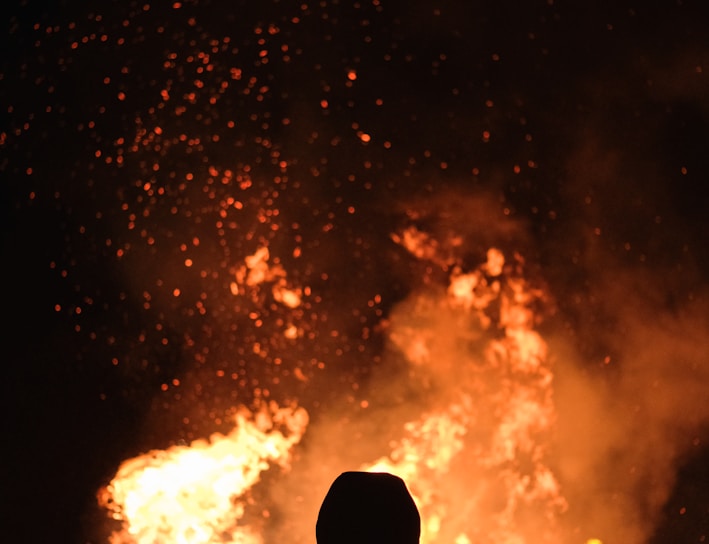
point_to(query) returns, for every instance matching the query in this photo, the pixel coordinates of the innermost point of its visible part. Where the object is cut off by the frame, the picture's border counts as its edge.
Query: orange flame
(193, 493)
(492, 435)
(476, 463)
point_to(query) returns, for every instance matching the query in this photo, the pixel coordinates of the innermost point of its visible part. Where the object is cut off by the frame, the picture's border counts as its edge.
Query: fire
(423, 455)
(493, 434)
(194, 493)
(476, 460)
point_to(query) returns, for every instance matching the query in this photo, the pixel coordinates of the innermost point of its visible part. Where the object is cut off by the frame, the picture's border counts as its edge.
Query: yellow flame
(192, 493)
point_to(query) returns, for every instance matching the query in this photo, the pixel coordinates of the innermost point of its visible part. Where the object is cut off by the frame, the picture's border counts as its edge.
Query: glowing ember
(194, 493)
(256, 271)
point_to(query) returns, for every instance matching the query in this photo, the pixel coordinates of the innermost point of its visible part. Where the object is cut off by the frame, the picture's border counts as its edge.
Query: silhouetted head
(368, 508)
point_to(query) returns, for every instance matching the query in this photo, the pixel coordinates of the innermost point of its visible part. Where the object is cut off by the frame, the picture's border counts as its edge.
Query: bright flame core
(194, 493)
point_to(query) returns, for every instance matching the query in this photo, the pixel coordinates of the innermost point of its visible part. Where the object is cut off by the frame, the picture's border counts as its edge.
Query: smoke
(627, 423)
(625, 405)
(625, 268)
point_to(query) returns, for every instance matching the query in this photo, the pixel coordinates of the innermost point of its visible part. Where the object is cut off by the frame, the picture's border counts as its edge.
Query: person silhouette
(368, 508)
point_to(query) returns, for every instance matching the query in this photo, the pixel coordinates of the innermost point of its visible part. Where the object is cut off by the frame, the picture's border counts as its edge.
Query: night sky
(135, 137)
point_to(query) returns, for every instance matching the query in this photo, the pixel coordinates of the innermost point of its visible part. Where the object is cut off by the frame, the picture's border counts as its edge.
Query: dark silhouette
(368, 508)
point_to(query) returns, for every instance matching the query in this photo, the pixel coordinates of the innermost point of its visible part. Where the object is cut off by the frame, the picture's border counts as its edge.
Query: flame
(195, 493)
(424, 454)
(494, 433)
(477, 464)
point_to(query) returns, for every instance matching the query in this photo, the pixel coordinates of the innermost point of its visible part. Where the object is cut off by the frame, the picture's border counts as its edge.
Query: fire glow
(492, 433)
